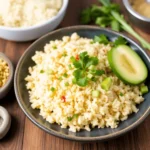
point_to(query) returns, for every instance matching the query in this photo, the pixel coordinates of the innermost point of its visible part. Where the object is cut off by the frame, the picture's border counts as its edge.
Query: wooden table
(25, 135)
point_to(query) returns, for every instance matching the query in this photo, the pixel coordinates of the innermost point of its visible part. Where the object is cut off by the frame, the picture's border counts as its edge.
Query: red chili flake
(63, 98)
(77, 57)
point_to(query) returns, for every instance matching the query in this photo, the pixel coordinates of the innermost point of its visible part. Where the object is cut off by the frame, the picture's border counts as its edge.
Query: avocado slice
(127, 65)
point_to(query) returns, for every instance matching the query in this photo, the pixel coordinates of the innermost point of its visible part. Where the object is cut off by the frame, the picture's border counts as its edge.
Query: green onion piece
(106, 83)
(69, 118)
(52, 89)
(70, 67)
(90, 76)
(75, 116)
(91, 42)
(121, 94)
(66, 84)
(144, 89)
(50, 71)
(64, 54)
(65, 75)
(60, 78)
(95, 93)
(54, 47)
(74, 81)
(42, 71)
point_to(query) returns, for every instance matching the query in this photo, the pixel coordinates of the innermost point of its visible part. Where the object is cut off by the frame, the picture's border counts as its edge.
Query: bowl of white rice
(46, 92)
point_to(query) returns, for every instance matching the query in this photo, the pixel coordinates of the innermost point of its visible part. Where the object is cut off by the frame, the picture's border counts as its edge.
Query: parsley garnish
(83, 67)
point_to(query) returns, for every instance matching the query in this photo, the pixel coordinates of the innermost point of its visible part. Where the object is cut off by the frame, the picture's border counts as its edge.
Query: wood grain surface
(24, 135)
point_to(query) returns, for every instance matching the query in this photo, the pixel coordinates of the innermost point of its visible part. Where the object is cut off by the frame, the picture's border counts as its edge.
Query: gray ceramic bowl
(54, 129)
(5, 89)
(136, 18)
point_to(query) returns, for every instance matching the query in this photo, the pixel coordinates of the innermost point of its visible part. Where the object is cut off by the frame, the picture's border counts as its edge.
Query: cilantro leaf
(76, 63)
(86, 16)
(84, 58)
(96, 11)
(92, 61)
(105, 2)
(99, 72)
(120, 41)
(82, 81)
(102, 21)
(78, 73)
(101, 39)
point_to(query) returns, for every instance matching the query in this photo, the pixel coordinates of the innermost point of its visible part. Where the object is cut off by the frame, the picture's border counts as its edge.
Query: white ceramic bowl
(36, 31)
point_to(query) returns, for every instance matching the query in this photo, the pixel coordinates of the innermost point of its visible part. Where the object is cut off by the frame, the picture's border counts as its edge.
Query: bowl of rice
(27, 20)
(6, 75)
(46, 92)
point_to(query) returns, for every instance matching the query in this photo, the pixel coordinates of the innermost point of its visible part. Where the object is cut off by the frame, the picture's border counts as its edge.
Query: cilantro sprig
(102, 39)
(85, 69)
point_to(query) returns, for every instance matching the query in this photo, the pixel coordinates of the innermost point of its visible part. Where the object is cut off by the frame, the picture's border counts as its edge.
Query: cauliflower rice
(67, 100)
(24, 13)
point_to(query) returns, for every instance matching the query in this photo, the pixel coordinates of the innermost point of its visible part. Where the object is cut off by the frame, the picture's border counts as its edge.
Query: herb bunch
(109, 15)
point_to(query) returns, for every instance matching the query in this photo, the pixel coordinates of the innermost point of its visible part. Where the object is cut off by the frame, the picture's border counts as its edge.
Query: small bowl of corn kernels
(6, 75)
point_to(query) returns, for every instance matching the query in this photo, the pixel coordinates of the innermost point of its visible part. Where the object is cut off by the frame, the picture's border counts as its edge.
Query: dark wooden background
(24, 135)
